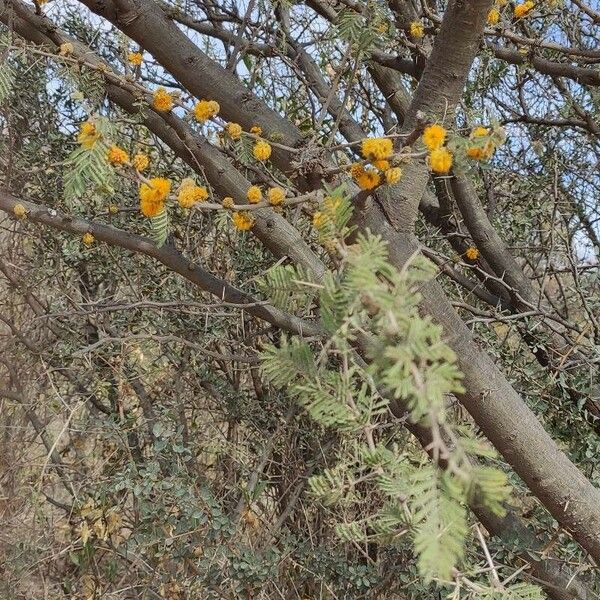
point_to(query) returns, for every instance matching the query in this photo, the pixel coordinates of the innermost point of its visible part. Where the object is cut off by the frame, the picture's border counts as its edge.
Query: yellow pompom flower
(356, 169)
(66, 49)
(320, 219)
(377, 148)
(479, 131)
(19, 211)
(393, 175)
(261, 150)
(242, 220)
(140, 162)
(417, 29)
(153, 195)
(234, 130)
(382, 165)
(206, 109)
(117, 156)
(472, 253)
(135, 58)
(434, 136)
(88, 135)
(440, 160)
(256, 130)
(368, 180)
(276, 196)
(493, 16)
(162, 100)
(481, 152)
(189, 195)
(88, 239)
(113, 209)
(228, 202)
(523, 9)
(254, 194)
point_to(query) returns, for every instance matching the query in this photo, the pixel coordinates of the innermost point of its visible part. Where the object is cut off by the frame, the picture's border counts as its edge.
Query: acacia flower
(234, 130)
(254, 194)
(440, 160)
(377, 148)
(417, 29)
(228, 202)
(206, 109)
(88, 135)
(276, 196)
(88, 239)
(19, 211)
(434, 136)
(242, 220)
(261, 150)
(117, 156)
(320, 219)
(190, 194)
(162, 100)
(382, 165)
(256, 130)
(393, 175)
(493, 16)
(140, 162)
(472, 253)
(368, 180)
(66, 49)
(135, 58)
(153, 195)
(523, 9)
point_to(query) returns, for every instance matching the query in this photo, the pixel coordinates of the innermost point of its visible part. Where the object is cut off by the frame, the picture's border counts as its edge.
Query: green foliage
(288, 287)
(369, 307)
(7, 77)
(87, 170)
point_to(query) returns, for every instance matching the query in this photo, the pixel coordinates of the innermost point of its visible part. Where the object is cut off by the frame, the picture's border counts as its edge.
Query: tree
(300, 299)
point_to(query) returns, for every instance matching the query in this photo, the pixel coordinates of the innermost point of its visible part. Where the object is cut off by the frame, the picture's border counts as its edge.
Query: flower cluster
(205, 110)
(234, 130)
(440, 158)
(135, 58)
(481, 146)
(88, 135)
(275, 196)
(140, 162)
(262, 150)
(162, 100)
(417, 30)
(254, 194)
(153, 196)
(242, 220)
(190, 193)
(117, 156)
(472, 253)
(523, 9)
(377, 151)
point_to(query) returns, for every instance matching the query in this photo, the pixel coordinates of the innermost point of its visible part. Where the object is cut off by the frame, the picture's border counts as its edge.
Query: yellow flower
(113, 209)
(66, 49)
(153, 195)
(521, 10)
(205, 109)
(356, 169)
(228, 202)
(331, 203)
(276, 196)
(242, 220)
(254, 194)
(140, 162)
(377, 148)
(320, 219)
(19, 211)
(440, 160)
(117, 156)
(234, 130)
(256, 130)
(481, 152)
(368, 180)
(434, 136)
(382, 165)
(88, 135)
(135, 58)
(393, 175)
(479, 131)
(261, 150)
(162, 101)
(493, 16)
(189, 195)
(472, 253)
(417, 29)
(87, 239)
